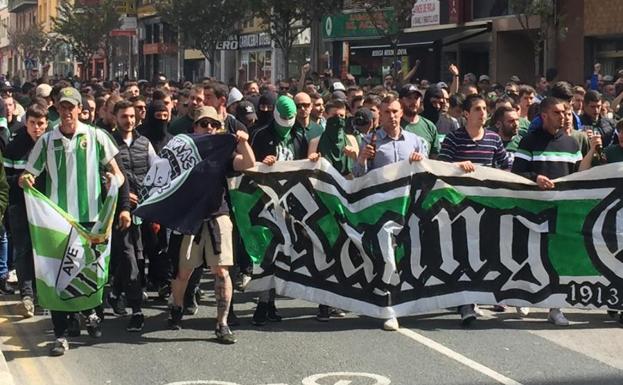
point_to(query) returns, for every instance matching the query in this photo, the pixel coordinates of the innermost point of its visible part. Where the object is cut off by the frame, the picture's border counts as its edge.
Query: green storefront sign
(359, 24)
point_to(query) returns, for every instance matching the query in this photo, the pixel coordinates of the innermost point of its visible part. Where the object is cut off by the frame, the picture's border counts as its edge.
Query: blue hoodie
(537, 123)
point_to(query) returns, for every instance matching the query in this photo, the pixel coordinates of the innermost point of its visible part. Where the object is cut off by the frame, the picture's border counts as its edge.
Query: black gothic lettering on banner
(449, 248)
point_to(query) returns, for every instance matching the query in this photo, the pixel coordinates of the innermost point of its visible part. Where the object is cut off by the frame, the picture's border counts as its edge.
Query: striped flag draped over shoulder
(188, 182)
(71, 261)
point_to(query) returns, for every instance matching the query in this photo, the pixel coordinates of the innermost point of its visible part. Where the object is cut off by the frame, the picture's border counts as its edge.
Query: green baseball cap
(71, 95)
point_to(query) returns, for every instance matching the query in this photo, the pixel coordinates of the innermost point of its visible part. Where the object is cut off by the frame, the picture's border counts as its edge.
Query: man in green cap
(277, 141)
(73, 183)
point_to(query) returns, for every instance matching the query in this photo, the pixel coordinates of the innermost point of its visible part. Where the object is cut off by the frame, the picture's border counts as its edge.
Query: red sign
(123, 32)
(159, 48)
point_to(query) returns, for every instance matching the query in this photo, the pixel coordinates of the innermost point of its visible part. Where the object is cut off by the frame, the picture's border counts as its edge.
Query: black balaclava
(430, 112)
(265, 117)
(155, 129)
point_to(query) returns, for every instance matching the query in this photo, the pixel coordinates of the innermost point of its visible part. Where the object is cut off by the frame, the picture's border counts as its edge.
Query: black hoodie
(155, 129)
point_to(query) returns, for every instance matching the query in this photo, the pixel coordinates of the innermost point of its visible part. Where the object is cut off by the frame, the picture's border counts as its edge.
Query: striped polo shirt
(489, 151)
(73, 168)
(553, 156)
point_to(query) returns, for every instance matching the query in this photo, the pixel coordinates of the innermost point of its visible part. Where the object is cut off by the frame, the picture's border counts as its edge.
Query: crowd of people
(63, 137)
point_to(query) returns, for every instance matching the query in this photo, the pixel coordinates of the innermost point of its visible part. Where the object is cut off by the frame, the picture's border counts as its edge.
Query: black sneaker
(136, 323)
(59, 347)
(175, 318)
(191, 307)
(323, 313)
(5, 288)
(468, 315)
(117, 304)
(164, 291)
(272, 314)
(73, 326)
(224, 335)
(260, 315)
(94, 327)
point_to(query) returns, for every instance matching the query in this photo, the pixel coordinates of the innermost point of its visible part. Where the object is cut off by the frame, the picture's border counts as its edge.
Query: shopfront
(255, 56)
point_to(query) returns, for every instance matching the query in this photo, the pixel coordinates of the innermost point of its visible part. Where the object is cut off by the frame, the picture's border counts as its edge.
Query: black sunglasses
(209, 123)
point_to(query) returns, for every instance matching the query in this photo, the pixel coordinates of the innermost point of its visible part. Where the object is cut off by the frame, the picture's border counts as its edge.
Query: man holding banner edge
(74, 151)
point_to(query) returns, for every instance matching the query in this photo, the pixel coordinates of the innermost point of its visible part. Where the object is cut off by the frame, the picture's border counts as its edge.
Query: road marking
(312, 380)
(202, 382)
(502, 379)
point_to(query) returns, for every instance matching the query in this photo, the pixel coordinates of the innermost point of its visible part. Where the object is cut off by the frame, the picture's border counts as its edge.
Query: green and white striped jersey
(73, 168)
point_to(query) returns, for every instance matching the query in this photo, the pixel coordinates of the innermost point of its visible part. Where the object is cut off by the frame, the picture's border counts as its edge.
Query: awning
(448, 33)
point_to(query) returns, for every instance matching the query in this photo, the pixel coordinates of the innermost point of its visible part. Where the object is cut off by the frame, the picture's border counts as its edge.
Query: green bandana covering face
(282, 132)
(332, 143)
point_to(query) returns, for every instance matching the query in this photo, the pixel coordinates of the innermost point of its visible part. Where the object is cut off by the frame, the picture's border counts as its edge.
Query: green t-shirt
(314, 130)
(614, 153)
(426, 130)
(181, 125)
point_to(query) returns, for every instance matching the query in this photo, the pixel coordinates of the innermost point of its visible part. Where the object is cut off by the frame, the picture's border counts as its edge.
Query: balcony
(20, 5)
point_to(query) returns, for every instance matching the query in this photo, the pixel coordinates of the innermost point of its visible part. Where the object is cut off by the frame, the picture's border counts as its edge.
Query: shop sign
(254, 40)
(358, 24)
(425, 12)
(388, 52)
(231, 44)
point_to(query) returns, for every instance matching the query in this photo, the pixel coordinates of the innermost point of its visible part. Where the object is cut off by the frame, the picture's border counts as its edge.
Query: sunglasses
(303, 105)
(209, 123)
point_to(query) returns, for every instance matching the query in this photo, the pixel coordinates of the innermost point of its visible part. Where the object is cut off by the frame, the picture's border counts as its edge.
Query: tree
(550, 23)
(34, 43)
(203, 24)
(86, 28)
(390, 18)
(288, 19)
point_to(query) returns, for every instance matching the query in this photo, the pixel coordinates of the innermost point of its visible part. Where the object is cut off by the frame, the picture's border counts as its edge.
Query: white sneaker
(478, 311)
(556, 317)
(391, 325)
(523, 311)
(12, 276)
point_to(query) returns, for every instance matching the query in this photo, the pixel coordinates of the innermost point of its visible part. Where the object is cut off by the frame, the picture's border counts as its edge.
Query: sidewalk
(6, 378)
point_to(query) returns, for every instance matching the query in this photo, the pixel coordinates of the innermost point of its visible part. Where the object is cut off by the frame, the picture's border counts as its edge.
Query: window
(485, 9)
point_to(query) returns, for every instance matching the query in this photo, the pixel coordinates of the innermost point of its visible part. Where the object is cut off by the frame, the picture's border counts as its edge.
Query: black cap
(408, 90)
(6, 86)
(363, 117)
(246, 109)
(338, 95)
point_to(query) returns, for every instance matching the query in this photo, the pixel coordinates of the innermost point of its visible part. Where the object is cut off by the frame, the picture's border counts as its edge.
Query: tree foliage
(390, 18)
(203, 24)
(86, 28)
(34, 43)
(287, 19)
(550, 23)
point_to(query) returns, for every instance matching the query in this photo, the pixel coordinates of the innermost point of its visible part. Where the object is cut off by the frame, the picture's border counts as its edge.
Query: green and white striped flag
(71, 261)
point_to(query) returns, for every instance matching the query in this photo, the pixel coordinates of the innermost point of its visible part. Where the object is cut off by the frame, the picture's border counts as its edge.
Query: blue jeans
(22, 249)
(4, 252)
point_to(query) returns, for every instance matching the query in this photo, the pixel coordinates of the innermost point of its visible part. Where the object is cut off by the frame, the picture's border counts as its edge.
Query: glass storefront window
(257, 64)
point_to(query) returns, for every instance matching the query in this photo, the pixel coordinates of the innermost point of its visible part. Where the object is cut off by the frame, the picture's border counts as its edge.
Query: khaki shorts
(193, 254)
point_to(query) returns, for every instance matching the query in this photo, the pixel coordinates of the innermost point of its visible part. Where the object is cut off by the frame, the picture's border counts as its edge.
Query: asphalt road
(430, 349)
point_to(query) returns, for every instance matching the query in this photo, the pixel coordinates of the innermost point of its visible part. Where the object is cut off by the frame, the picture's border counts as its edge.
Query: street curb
(6, 378)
